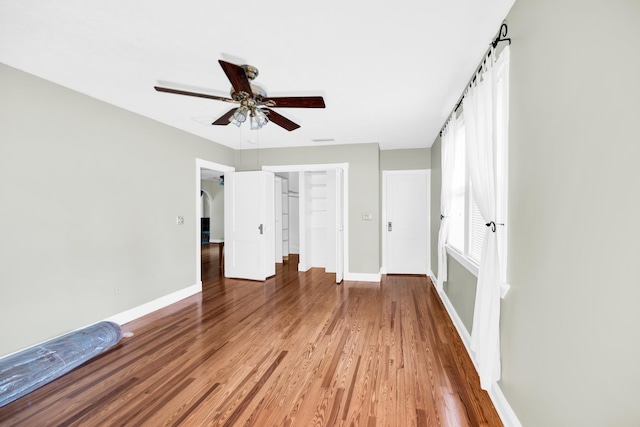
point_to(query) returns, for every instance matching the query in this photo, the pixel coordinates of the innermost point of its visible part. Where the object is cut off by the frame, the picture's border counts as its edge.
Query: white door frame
(203, 164)
(278, 219)
(383, 231)
(345, 197)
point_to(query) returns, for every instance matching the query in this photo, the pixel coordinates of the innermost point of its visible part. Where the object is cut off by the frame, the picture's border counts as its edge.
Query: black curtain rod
(501, 37)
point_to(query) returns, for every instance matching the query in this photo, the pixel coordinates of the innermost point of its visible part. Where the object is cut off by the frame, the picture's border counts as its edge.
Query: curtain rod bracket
(502, 36)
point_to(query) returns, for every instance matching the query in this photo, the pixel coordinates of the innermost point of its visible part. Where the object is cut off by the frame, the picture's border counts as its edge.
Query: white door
(331, 222)
(278, 218)
(249, 225)
(339, 226)
(405, 222)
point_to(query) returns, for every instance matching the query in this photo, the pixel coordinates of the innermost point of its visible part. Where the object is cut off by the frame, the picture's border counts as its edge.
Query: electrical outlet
(367, 216)
(180, 220)
(116, 290)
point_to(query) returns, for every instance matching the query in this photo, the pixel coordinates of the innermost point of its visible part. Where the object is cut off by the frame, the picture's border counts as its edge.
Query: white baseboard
(134, 313)
(302, 268)
(156, 304)
(459, 325)
(363, 277)
(355, 277)
(438, 284)
(508, 417)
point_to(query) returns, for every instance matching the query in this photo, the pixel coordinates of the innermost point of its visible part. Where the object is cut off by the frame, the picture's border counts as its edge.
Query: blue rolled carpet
(29, 369)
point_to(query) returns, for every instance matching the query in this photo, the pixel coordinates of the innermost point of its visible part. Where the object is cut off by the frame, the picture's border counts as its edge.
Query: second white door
(405, 221)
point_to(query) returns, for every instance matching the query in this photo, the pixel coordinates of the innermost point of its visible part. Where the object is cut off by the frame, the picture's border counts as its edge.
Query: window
(467, 228)
(458, 191)
(466, 232)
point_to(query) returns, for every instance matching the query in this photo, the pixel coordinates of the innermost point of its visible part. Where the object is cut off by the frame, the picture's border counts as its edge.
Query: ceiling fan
(252, 99)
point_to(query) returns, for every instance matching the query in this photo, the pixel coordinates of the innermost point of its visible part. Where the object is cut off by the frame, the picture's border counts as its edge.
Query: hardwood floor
(294, 351)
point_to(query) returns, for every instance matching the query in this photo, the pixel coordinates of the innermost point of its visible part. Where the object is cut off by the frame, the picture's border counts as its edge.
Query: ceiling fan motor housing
(257, 94)
(252, 72)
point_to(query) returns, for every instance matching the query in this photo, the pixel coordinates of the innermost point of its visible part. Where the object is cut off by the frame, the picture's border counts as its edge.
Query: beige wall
(407, 159)
(568, 325)
(90, 195)
(572, 318)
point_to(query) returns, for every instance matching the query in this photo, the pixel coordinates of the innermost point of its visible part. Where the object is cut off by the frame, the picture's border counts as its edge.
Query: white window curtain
(446, 192)
(480, 111)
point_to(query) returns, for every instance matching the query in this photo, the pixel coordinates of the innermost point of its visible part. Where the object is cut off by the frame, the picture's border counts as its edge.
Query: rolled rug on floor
(29, 369)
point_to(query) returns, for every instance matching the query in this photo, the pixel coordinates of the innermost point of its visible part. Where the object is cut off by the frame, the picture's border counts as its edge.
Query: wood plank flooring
(298, 350)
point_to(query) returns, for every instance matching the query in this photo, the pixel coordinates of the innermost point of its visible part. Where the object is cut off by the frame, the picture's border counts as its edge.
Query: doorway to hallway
(209, 215)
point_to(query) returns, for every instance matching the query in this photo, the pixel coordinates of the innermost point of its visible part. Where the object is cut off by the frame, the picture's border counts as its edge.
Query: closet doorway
(316, 215)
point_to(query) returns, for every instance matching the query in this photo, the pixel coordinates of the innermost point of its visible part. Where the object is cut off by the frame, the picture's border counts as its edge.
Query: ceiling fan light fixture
(239, 116)
(262, 117)
(254, 123)
(258, 119)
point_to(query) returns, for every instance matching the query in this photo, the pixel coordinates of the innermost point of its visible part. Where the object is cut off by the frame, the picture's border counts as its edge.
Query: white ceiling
(390, 72)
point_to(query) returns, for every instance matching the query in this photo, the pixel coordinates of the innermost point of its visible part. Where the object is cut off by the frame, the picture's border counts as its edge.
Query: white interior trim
(463, 260)
(505, 411)
(156, 304)
(203, 164)
(363, 277)
(473, 268)
(305, 168)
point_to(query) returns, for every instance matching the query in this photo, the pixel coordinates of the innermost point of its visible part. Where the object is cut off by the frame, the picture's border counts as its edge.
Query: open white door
(406, 220)
(339, 226)
(249, 227)
(278, 218)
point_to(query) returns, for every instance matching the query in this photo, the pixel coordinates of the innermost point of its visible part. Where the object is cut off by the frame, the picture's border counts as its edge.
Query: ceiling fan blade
(224, 119)
(296, 101)
(280, 120)
(237, 76)
(199, 95)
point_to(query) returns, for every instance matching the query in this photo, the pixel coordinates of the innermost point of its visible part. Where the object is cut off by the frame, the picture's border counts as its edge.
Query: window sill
(463, 260)
(473, 267)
